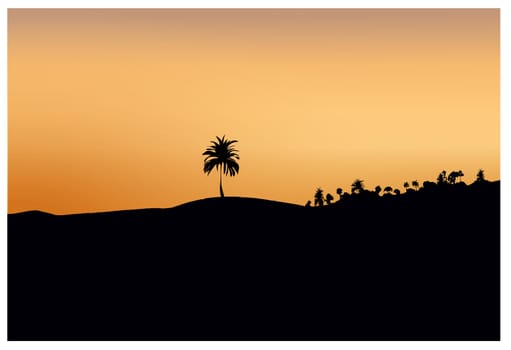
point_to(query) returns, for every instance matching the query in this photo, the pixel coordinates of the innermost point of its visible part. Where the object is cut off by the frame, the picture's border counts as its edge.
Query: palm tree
(318, 197)
(357, 186)
(222, 156)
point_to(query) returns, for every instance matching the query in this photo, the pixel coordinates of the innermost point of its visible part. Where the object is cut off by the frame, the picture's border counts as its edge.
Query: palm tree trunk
(221, 189)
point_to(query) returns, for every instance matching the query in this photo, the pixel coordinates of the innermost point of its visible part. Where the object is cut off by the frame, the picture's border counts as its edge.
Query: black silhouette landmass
(424, 265)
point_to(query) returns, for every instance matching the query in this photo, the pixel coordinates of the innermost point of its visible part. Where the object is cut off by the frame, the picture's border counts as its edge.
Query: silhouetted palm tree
(357, 186)
(329, 198)
(480, 176)
(318, 197)
(406, 185)
(222, 156)
(415, 185)
(339, 192)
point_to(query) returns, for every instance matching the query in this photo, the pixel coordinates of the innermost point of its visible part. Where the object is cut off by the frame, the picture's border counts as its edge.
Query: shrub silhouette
(460, 174)
(221, 156)
(415, 185)
(357, 186)
(442, 178)
(480, 176)
(339, 192)
(377, 190)
(329, 198)
(453, 175)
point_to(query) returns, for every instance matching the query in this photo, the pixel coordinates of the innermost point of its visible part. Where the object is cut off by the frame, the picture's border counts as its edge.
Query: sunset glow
(111, 109)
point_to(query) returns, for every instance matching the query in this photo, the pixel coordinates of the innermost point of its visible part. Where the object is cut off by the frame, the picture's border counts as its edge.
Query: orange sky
(111, 109)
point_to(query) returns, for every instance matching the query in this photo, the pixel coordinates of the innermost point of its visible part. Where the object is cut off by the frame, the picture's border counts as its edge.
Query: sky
(112, 109)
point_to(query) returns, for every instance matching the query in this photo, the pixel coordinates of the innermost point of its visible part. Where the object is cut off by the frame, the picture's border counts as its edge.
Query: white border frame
(505, 8)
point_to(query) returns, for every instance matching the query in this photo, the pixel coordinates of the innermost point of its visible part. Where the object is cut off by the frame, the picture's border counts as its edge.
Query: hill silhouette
(418, 266)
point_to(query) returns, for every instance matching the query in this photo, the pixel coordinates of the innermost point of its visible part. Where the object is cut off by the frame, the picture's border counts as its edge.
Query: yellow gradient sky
(111, 109)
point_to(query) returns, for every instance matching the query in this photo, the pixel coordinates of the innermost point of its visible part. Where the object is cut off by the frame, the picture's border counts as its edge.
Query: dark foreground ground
(421, 266)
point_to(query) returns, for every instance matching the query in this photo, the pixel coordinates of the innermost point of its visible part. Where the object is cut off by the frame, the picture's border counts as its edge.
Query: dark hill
(420, 266)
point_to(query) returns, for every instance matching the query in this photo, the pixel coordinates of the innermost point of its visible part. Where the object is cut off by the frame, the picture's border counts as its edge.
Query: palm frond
(230, 167)
(210, 165)
(221, 155)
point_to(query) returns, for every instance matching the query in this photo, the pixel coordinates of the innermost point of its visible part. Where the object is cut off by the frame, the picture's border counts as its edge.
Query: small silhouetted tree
(357, 186)
(460, 174)
(453, 175)
(222, 156)
(308, 204)
(406, 185)
(318, 198)
(387, 189)
(480, 176)
(329, 198)
(442, 178)
(339, 192)
(397, 192)
(377, 189)
(415, 185)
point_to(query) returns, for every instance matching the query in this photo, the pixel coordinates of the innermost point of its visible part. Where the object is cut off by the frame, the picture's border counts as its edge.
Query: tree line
(358, 187)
